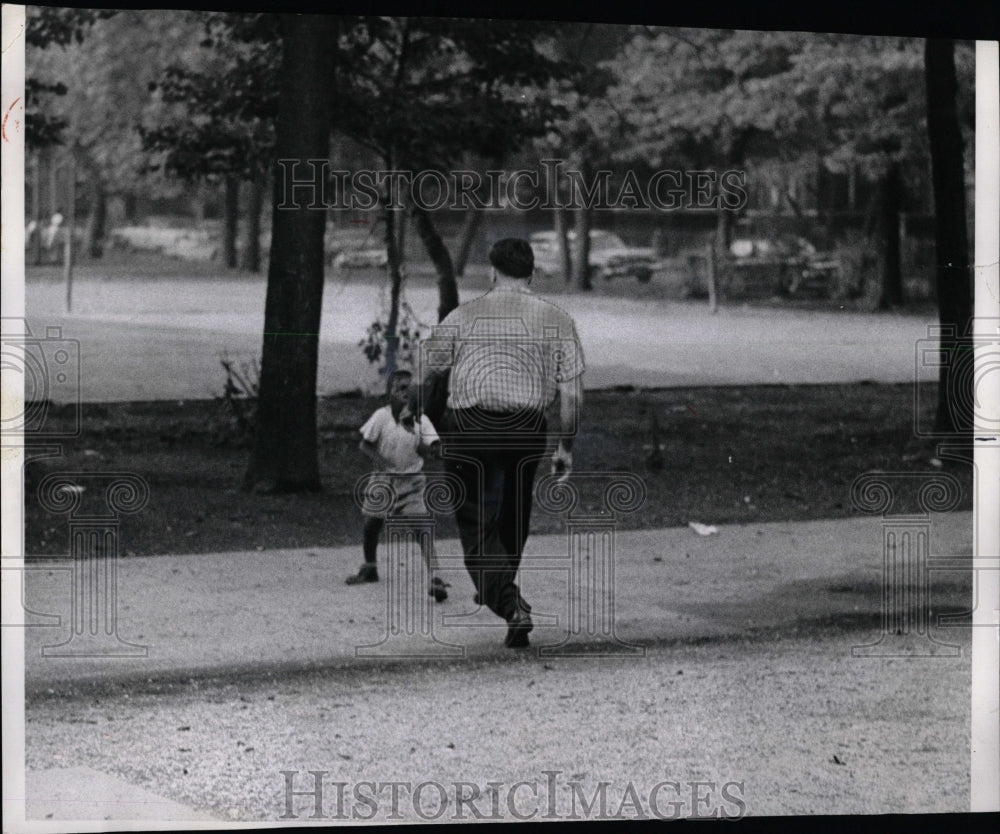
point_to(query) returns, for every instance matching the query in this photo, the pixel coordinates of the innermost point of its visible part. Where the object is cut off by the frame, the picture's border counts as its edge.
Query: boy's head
(513, 257)
(397, 386)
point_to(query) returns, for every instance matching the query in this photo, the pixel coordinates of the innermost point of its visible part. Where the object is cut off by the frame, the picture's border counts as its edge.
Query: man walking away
(507, 357)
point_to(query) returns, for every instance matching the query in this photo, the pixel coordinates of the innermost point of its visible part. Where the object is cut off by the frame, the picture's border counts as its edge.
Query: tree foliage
(419, 90)
(47, 27)
(219, 108)
(100, 65)
(723, 97)
(423, 91)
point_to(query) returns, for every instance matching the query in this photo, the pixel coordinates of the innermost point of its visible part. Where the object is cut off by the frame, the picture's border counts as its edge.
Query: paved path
(163, 339)
(255, 655)
(240, 613)
(83, 793)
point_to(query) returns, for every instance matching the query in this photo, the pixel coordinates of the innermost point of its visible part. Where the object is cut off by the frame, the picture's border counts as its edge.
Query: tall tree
(891, 200)
(580, 135)
(255, 205)
(97, 94)
(955, 402)
(284, 453)
(230, 214)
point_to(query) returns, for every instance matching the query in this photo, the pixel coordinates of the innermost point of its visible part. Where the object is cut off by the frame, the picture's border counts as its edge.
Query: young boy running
(398, 445)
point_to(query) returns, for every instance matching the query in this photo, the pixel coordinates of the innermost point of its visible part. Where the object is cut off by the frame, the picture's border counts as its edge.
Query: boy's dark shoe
(437, 589)
(518, 627)
(368, 573)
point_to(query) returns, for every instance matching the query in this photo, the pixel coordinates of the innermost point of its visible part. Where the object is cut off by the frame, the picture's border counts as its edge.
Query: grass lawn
(730, 455)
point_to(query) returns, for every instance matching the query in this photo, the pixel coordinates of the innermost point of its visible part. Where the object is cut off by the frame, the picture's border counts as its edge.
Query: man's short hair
(513, 257)
(396, 374)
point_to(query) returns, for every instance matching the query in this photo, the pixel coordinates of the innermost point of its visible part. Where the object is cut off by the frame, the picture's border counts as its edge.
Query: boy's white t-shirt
(394, 443)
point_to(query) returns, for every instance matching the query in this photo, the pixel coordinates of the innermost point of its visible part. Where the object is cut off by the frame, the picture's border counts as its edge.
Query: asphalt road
(163, 339)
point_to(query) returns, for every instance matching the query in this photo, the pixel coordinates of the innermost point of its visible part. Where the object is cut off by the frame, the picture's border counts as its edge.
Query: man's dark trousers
(495, 456)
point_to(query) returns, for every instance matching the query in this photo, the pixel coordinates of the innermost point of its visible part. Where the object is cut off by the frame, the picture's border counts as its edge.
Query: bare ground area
(729, 455)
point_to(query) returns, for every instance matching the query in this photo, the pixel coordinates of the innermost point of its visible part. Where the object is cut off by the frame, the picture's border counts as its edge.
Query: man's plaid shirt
(507, 351)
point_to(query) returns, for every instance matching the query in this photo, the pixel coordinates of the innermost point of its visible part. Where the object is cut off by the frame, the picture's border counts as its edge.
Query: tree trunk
(401, 225)
(470, 228)
(284, 456)
(129, 207)
(54, 201)
(98, 221)
(395, 267)
(438, 253)
(892, 275)
(955, 406)
(201, 204)
(251, 249)
(724, 276)
(562, 242)
(581, 255)
(826, 199)
(723, 231)
(230, 220)
(69, 226)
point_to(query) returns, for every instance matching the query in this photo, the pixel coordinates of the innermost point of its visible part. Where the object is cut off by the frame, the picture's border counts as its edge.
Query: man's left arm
(570, 395)
(569, 391)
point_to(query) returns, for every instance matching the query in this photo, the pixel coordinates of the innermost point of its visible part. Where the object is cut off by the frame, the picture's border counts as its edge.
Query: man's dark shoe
(437, 589)
(368, 573)
(518, 627)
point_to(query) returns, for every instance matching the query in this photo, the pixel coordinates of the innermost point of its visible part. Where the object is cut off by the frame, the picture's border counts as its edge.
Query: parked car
(790, 266)
(610, 256)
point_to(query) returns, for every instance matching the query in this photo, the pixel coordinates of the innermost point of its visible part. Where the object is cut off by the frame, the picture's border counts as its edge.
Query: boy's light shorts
(384, 495)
